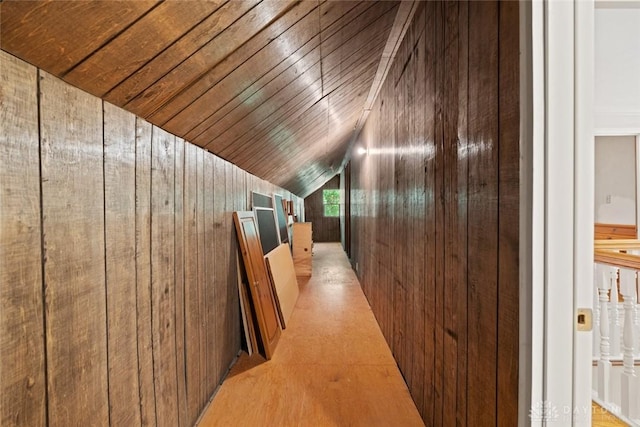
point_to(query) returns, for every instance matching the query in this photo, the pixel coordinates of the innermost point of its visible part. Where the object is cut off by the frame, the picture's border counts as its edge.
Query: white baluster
(596, 313)
(616, 329)
(629, 380)
(603, 280)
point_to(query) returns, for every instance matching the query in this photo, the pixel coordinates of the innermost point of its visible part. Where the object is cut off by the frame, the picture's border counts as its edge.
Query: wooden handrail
(617, 259)
(621, 244)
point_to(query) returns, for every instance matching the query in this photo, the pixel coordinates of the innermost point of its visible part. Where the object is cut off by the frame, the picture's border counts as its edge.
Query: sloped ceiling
(274, 86)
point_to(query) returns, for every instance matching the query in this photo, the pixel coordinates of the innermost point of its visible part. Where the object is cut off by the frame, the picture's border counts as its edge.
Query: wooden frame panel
(261, 291)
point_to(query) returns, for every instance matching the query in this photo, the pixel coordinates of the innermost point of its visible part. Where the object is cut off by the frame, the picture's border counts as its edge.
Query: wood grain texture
(180, 324)
(41, 30)
(483, 222)
(136, 318)
(74, 267)
(120, 239)
(325, 229)
(221, 255)
(143, 273)
(208, 297)
(434, 210)
(246, 79)
(22, 357)
(192, 330)
(154, 32)
(195, 66)
(509, 214)
(162, 277)
(171, 57)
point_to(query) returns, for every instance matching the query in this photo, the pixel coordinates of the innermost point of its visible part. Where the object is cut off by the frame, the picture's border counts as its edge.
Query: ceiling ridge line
(403, 19)
(311, 66)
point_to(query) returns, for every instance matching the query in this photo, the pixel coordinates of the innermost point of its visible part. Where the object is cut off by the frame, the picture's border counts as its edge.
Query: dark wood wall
(435, 211)
(325, 229)
(118, 294)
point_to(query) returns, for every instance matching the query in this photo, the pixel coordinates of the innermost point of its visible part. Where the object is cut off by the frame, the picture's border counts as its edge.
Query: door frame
(557, 186)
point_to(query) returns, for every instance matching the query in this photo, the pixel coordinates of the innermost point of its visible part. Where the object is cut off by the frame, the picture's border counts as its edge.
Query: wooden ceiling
(274, 86)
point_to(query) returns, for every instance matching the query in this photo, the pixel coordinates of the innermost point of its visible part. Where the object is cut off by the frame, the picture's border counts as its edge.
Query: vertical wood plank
(120, 237)
(192, 329)
(143, 272)
(201, 277)
(430, 220)
(483, 212)
(452, 237)
(180, 324)
(462, 199)
(440, 227)
(162, 277)
(221, 255)
(418, 223)
(209, 294)
(22, 365)
(240, 205)
(508, 227)
(74, 269)
(228, 270)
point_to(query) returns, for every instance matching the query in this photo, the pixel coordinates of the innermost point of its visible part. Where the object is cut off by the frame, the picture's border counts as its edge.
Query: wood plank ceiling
(274, 86)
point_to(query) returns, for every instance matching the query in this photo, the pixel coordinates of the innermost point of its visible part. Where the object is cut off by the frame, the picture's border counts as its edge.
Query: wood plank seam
(107, 41)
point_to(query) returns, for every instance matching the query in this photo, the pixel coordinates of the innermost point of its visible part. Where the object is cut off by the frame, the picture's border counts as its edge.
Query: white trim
(617, 122)
(584, 201)
(559, 207)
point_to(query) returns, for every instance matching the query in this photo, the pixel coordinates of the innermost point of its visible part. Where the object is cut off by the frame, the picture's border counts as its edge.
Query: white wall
(617, 68)
(615, 165)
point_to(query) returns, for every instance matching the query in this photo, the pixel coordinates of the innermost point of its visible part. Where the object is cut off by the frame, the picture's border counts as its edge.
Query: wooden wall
(118, 294)
(325, 229)
(435, 211)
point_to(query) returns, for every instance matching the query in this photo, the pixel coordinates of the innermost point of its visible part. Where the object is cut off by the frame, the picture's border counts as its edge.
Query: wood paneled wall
(435, 211)
(118, 294)
(325, 229)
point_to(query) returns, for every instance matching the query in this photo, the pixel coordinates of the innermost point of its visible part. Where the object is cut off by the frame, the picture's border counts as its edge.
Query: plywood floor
(332, 366)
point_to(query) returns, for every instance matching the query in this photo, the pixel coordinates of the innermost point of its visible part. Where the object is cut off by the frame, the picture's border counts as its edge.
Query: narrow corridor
(332, 366)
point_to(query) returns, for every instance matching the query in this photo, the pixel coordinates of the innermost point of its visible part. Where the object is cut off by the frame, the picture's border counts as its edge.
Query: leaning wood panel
(73, 227)
(483, 213)
(162, 277)
(143, 272)
(181, 368)
(302, 246)
(508, 228)
(283, 277)
(22, 389)
(120, 238)
(261, 291)
(192, 328)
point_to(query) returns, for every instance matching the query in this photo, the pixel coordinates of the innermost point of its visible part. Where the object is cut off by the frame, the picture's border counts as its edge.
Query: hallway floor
(332, 366)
